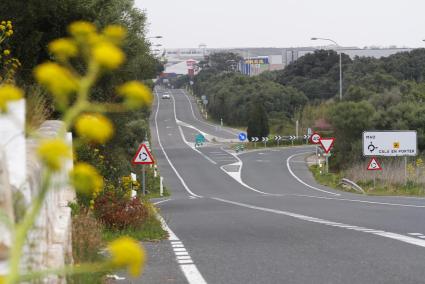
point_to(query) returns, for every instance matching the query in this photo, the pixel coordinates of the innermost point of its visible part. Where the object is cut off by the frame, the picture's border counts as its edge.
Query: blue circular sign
(242, 136)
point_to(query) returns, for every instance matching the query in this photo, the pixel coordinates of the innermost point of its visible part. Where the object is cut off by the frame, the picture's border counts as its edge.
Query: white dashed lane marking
(418, 235)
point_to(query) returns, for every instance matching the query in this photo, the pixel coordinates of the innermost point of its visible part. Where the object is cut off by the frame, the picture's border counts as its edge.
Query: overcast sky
(285, 23)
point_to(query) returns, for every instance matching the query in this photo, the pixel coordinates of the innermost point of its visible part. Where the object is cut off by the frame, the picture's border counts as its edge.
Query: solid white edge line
(358, 200)
(165, 153)
(184, 138)
(209, 124)
(300, 180)
(389, 235)
(161, 201)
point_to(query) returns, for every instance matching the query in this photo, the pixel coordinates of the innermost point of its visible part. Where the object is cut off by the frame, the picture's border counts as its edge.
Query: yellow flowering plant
(8, 64)
(100, 52)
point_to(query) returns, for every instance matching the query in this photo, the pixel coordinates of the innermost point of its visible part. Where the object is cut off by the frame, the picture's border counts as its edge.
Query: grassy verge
(270, 144)
(380, 189)
(328, 179)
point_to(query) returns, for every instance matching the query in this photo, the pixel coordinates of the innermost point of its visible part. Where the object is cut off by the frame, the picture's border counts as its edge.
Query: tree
(224, 61)
(349, 120)
(36, 23)
(258, 123)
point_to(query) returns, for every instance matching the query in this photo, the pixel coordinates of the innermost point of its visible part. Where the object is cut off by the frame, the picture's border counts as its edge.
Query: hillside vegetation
(386, 93)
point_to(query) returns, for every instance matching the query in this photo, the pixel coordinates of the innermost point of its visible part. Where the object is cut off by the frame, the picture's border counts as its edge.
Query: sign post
(374, 166)
(205, 102)
(143, 157)
(315, 139)
(327, 144)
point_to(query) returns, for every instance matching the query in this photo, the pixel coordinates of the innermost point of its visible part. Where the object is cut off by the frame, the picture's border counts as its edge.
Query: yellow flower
(9, 93)
(6, 52)
(94, 127)
(115, 33)
(108, 55)
(58, 80)
(3, 23)
(53, 152)
(9, 26)
(9, 33)
(135, 93)
(9, 22)
(127, 252)
(86, 179)
(63, 48)
(81, 29)
(2, 27)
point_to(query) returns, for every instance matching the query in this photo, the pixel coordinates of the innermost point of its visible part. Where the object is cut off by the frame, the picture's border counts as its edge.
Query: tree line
(36, 23)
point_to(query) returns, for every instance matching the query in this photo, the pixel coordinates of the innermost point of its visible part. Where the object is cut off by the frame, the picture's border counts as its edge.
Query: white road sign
(389, 143)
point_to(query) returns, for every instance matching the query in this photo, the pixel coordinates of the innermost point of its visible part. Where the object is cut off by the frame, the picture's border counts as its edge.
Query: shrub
(118, 212)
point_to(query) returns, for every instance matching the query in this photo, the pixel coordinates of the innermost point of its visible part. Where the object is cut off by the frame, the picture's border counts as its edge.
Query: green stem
(82, 102)
(22, 230)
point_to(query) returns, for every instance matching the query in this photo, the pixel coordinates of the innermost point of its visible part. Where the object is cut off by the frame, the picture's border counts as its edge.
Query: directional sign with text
(327, 144)
(389, 143)
(143, 156)
(374, 165)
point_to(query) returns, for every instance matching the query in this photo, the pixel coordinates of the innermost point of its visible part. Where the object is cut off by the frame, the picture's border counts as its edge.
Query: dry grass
(86, 244)
(393, 172)
(38, 109)
(392, 179)
(86, 237)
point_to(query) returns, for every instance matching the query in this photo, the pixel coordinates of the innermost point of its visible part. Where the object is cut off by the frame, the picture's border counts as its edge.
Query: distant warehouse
(254, 65)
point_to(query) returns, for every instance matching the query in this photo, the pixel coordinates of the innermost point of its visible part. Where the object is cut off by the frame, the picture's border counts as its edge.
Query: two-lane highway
(273, 224)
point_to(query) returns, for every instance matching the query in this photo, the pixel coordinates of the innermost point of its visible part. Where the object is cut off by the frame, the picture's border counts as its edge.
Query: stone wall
(49, 243)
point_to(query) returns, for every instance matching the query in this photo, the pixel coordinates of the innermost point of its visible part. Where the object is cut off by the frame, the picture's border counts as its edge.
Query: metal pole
(161, 186)
(340, 76)
(405, 169)
(327, 164)
(296, 128)
(144, 179)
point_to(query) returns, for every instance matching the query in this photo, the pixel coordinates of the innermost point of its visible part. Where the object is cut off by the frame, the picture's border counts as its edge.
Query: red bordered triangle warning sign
(327, 144)
(374, 165)
(143, 156)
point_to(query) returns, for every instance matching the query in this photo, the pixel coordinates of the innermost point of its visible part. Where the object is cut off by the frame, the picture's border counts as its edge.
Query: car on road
(166, 96)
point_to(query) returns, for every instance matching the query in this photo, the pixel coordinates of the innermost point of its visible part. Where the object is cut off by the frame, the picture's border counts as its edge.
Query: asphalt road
(259, 217)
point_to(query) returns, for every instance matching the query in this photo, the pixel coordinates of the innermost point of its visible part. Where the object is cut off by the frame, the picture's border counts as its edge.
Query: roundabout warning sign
(374, 165)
